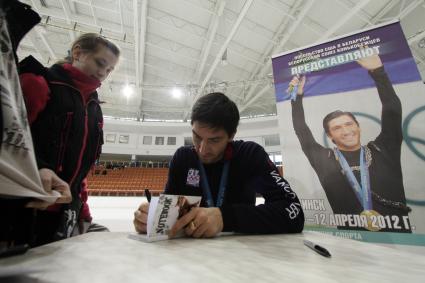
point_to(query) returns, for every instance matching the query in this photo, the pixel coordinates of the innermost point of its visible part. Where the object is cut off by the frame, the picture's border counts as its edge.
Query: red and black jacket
(67, 133)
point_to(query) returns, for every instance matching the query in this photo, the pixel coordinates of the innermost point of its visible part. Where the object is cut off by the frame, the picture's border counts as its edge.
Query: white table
(114, 257)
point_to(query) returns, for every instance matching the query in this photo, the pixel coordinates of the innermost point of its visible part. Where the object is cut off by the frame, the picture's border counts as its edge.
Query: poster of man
(341, 106)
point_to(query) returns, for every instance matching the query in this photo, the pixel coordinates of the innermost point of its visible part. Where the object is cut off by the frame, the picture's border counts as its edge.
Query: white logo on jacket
(193, 177)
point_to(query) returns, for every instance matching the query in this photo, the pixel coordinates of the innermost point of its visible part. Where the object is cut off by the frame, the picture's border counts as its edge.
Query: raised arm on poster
(370, 63)
(363, 183)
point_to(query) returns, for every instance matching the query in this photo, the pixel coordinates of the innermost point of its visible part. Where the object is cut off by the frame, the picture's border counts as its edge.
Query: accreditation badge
(371, 218)
(193, 177)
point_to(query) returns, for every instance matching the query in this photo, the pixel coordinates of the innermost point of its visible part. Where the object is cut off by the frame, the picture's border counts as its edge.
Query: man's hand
(200, 222)
(141, 217)
(370, 63)
(297, 81)
(51, 181)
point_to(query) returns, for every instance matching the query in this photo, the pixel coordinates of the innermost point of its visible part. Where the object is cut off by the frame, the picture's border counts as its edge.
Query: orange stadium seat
(127, 181)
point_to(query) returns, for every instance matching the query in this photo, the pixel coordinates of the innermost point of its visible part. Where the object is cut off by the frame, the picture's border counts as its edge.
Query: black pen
(320, 250)
(148, 195)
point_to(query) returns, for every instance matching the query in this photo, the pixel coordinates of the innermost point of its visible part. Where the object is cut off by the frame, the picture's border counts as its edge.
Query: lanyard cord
(206, 187)
(362, 191)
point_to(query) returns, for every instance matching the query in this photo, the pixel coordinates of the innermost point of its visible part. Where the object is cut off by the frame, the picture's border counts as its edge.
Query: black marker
(320, 250)
(148, 195)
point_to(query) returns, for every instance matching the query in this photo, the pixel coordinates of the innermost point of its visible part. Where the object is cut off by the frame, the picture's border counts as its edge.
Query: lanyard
(362, 191)
(206, 187)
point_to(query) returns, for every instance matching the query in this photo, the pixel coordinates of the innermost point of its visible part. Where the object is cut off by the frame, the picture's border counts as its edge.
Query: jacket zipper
(64, 139)
(96, 153)
(83, 147)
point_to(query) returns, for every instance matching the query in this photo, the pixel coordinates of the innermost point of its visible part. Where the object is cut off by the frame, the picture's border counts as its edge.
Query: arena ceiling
(199, 46)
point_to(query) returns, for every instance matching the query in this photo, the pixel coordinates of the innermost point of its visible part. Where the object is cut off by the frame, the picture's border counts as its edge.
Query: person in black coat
(228, 175)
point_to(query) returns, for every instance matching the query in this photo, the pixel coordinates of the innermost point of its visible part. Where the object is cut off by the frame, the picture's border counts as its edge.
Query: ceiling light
(127, 90)
(176, 92)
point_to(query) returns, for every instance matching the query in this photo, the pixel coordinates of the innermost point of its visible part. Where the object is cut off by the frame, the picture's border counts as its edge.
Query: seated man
(228, 175)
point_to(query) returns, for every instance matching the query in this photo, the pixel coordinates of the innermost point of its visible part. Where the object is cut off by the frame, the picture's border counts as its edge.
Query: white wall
(249, 129)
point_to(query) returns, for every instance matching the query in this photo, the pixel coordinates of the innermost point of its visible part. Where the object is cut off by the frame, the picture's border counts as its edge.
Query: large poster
(351, 120)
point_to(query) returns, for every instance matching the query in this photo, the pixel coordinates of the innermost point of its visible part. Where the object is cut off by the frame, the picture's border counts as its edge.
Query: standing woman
(66, 123)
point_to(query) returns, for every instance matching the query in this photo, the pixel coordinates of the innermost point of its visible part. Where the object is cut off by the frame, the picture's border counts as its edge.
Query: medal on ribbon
(371, 216)
(362, 191)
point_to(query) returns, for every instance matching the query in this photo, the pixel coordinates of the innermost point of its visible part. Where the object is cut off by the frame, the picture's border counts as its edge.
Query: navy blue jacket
(251, 173)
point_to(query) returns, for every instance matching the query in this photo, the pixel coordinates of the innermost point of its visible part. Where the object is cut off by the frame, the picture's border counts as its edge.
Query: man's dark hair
(336, 114)
(217, 111)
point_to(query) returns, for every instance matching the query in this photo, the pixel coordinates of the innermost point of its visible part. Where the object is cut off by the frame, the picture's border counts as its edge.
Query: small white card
(163, 214)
